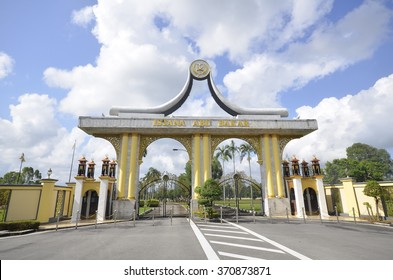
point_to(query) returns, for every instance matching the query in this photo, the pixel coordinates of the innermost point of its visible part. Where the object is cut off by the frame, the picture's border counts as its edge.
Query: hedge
(19, 225)
(153, 203)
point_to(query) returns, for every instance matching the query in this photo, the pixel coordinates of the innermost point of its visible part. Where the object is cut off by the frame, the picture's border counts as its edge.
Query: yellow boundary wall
(37, 202)
(353, 198)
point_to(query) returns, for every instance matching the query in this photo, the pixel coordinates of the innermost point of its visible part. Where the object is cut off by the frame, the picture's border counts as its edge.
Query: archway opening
(310, 201)
(237, 156)
(292, 201)
(164, 158)
(89, 204)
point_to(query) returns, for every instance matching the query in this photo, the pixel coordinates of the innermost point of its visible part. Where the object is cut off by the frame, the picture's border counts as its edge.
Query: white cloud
(161, 156)
(331, 47)
(35, 131)
(6, 65)
(146, 49)
(364, 117)
(83, 16)
(125, 75)
(145, 52)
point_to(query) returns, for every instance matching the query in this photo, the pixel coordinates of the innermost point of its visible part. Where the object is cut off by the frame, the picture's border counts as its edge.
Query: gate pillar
(77, 206)
(134, 167)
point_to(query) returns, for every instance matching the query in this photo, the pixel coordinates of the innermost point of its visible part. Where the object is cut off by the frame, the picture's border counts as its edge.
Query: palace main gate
(161, 203)
(131, 130)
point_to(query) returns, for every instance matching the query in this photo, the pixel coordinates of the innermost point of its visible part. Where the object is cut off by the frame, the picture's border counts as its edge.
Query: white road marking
(207, 248)
(214, 226)
(234, 237)
(237, 256)
(278, 245)
(221, 230)
(248, 247)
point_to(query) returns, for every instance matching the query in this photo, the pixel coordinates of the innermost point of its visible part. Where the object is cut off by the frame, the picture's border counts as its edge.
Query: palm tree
(247, 149)
(232, 148)
(224, 154)
(151, 175)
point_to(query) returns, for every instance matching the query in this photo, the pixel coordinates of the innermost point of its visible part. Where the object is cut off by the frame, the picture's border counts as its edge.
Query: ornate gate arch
(166, 178)
(130, 130)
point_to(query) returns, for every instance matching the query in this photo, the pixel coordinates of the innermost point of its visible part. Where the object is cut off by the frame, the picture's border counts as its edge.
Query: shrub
(141, 203)
(153, 203)
(19, 225)
(203, 201)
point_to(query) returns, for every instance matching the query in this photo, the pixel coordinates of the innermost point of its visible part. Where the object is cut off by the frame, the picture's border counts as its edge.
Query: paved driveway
(122, 241)
(159, 240)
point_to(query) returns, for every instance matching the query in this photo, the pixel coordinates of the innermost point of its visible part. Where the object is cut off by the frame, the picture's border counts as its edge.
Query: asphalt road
(313, 240)
(121, 241)
(163, 241)
(172, 208)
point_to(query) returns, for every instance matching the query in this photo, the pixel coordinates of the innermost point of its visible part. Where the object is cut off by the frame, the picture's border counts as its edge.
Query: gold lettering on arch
(164, 122)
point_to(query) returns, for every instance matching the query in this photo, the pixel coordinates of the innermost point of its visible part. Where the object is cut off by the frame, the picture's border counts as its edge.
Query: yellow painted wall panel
(23, 205)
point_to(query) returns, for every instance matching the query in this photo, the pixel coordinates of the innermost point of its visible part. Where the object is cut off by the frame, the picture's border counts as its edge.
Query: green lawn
(142, 210)
(244, 203)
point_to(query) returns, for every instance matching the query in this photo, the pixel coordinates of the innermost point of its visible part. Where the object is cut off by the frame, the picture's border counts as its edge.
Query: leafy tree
(336, 170)
(363, 163)
(216, 169)
(209, 192)
(376, 191)
(27, 176)
(186, 177)
(9, 178)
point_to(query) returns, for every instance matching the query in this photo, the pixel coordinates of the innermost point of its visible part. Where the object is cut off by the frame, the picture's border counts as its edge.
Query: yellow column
(197, 162)
(47, 200)
(123, 165)
(207, 171)
(132, 179)
(349, 200)
(277, 167)
(268, 166)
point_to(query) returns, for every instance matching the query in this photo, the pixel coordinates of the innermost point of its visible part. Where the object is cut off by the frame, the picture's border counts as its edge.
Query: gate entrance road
(296, 240)
(263, 240)
(120, 241)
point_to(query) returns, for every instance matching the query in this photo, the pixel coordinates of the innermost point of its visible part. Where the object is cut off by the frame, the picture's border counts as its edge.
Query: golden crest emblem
(200, 69)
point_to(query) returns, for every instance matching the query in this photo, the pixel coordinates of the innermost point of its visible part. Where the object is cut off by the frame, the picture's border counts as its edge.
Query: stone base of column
(124, 209)
(277, 207)
(194, 206)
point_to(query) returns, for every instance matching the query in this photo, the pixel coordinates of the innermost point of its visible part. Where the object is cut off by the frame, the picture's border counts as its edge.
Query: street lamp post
(236, 177)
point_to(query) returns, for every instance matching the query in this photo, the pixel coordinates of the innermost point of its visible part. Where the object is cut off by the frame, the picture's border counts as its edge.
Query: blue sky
(329, 60)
